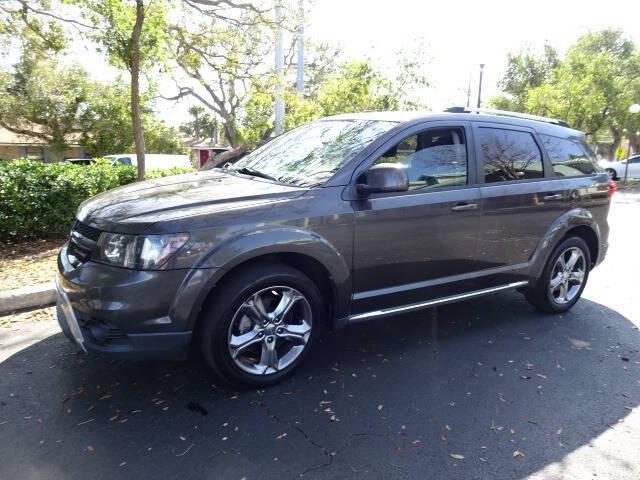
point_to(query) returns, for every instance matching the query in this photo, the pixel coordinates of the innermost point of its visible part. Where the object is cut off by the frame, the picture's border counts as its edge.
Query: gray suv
(349, 218)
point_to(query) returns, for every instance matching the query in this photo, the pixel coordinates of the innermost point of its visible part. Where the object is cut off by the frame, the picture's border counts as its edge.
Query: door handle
(552, 196)
(463, 207)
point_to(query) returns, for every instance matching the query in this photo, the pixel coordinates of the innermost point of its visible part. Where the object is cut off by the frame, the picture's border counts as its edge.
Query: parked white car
(153, 161)
(616, 169)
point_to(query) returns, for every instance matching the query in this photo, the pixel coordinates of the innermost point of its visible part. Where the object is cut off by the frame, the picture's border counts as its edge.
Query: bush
(167, 172)
(39, 200)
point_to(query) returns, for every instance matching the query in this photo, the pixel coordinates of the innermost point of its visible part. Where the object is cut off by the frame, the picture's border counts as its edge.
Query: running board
(432, 303)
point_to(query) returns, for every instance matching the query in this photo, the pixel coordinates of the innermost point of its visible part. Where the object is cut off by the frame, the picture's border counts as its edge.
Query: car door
(417, 245)
(521, 198)
(634, 167)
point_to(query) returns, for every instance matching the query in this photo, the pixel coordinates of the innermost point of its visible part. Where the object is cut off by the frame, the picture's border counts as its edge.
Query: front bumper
(130, 346)
(129, 314)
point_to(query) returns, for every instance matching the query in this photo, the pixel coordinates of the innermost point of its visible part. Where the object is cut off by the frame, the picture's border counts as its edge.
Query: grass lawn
(27, 263)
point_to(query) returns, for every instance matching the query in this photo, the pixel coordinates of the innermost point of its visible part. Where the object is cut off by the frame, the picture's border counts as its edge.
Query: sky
(457, 36)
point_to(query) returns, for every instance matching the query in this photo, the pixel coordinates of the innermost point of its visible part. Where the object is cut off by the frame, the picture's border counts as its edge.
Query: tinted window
(433, 158)
(509, 155)
(634, 160)
(124, 160)
(567, 157)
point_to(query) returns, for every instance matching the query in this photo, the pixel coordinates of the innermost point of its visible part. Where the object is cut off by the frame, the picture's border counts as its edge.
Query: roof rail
(505, 113)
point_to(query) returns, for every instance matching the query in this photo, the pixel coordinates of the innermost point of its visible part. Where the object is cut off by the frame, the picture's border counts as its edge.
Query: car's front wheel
(564, 277)
(613, 175)
(260, 324)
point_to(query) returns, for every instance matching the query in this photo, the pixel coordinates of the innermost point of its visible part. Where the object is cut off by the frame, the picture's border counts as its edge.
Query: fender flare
(573, 218)
(236, 250)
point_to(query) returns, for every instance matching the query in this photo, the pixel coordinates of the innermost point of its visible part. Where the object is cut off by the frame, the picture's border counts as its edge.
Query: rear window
(509, 155)
(569, 158)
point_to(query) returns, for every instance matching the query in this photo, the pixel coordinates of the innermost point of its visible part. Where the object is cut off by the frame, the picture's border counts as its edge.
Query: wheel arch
(300, 249)
(579, 222)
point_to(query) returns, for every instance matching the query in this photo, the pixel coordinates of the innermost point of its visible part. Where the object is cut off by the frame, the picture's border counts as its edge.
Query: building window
(34, 153)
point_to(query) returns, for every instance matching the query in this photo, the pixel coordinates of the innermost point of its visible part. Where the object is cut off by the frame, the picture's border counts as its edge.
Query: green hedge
(39, 200)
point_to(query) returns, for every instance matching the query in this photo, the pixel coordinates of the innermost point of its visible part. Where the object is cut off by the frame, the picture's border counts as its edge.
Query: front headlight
(141, 252)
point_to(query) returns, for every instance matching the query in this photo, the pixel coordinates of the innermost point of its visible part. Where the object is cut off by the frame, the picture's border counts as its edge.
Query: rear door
(521, 197)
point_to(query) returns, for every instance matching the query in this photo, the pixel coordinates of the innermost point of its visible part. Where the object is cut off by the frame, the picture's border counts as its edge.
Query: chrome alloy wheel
(270, 330)
(567, 275)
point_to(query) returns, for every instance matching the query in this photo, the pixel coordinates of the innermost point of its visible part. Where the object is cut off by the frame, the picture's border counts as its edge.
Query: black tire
(218, 314)
(540, 295)
(612, 173)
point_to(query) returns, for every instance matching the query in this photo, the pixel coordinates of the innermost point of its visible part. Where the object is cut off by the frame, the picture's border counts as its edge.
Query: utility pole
(279, 103)
(469, 92)
(300, 69)
(480, 85)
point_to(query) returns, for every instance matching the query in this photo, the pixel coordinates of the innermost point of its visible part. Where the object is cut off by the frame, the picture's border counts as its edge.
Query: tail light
(612, 188)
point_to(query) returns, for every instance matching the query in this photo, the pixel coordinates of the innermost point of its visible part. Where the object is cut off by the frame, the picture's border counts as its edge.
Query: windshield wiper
(255, 173)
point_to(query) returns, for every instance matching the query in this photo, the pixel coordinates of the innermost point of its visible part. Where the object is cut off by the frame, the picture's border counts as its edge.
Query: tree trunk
(136, 114)
(615, 145)
(230, 132)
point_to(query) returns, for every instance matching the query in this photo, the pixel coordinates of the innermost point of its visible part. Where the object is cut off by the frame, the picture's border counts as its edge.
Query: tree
(108, 127)
(591, 87)
(133, 35)
(202, 126)
(350, 87)
(41, 100)
(525, 70)
(34, 26)
(220, 48)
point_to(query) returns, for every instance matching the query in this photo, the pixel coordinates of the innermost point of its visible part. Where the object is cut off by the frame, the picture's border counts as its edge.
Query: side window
(634, 160)
(509, 155)
(567, 157)
(124, 160)
(433, 158)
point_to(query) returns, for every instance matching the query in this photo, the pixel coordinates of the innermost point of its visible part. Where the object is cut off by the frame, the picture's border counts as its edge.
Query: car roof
(414, 117)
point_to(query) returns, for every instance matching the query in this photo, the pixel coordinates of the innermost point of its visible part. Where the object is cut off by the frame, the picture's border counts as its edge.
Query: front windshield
(310, 154)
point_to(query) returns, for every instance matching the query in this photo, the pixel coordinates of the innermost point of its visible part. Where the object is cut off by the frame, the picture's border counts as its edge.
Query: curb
(40, 295)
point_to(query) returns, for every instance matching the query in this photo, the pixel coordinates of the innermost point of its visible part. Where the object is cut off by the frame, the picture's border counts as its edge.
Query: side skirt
(427, 304)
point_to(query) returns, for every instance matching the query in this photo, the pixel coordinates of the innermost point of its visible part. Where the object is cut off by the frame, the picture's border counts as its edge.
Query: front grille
(82, 243)
(86, 231)
(79, 253)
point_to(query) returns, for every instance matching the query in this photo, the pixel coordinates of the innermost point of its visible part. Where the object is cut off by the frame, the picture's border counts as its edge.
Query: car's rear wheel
(564, 277)
(260, 324)
(613, 175)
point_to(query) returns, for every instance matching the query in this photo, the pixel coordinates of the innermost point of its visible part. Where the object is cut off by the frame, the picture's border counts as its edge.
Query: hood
(176, 196)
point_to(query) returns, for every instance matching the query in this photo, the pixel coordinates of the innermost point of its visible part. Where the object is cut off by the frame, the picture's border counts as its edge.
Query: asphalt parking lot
(487, 389)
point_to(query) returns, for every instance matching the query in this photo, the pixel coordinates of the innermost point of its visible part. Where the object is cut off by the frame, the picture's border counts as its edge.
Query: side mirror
(384, 178)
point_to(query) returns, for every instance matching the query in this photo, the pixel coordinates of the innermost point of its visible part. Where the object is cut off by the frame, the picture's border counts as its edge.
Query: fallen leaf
(379, 407)
(457, 456)
(518, 454)
(579, 343)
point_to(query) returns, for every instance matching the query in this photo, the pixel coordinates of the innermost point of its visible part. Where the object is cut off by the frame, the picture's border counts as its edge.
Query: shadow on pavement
(387, 399)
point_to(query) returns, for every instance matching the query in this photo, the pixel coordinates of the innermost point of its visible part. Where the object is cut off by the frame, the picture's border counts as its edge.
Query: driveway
(487, 389)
